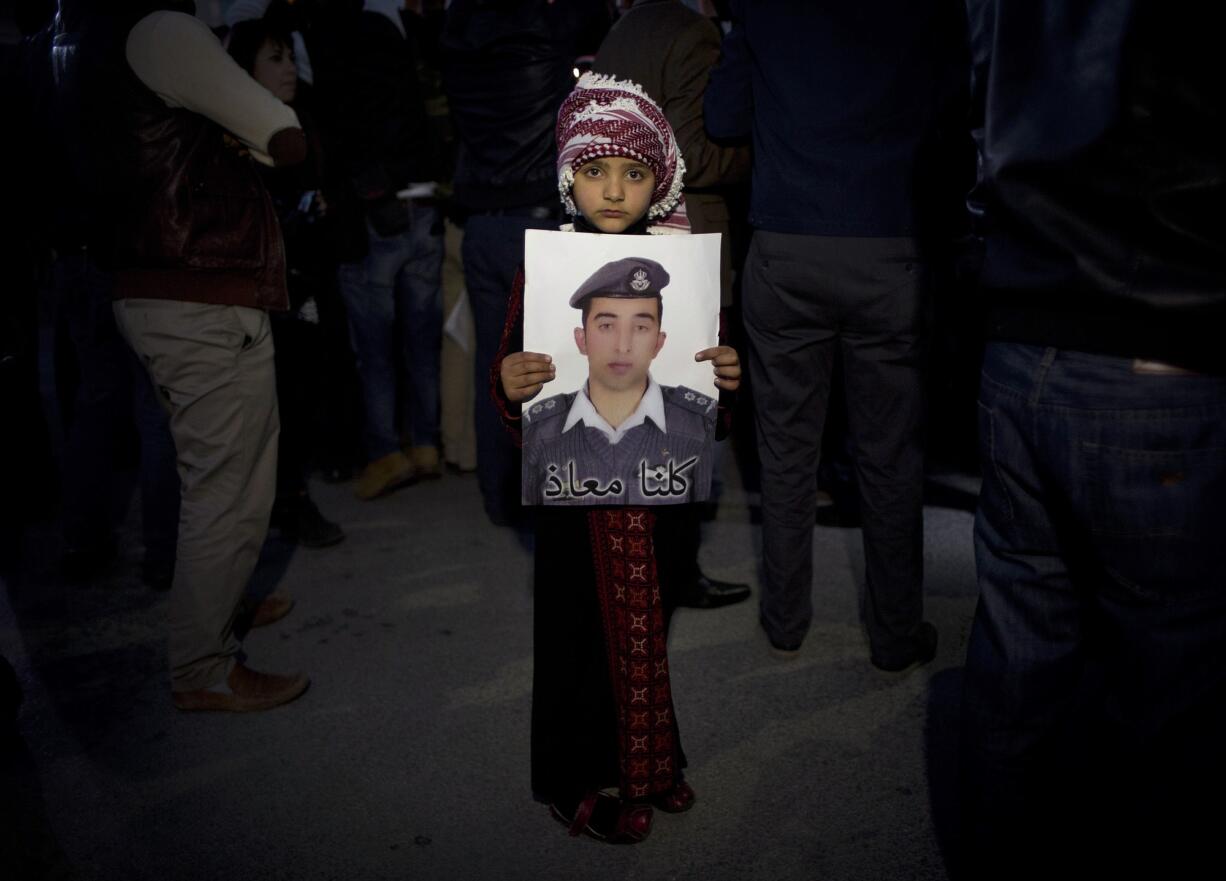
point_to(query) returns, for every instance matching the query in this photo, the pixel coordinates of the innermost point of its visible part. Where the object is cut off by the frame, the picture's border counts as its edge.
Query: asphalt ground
(408, 756)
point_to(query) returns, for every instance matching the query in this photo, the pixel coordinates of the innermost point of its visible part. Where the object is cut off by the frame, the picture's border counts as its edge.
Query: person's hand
(727, 366)
(524, 373)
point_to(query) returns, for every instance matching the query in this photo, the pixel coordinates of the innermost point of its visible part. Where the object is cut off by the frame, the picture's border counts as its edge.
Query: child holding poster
(602, 710)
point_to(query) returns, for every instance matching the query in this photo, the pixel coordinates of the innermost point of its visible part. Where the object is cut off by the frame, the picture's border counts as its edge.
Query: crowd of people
(291, 241)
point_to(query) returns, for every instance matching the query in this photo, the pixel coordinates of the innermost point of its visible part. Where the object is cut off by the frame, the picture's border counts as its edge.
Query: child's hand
(727, 366)
(523, 374)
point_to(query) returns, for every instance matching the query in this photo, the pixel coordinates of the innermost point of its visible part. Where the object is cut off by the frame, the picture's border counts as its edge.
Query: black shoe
(923, 649)
(711, 593)
(786, 648)
(299, 520)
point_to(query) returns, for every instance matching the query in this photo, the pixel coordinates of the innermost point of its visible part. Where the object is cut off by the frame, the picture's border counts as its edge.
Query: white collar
(651, 406)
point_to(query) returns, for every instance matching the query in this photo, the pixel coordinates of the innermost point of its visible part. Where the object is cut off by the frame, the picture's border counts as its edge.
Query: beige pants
(213, 369)
(456, 381)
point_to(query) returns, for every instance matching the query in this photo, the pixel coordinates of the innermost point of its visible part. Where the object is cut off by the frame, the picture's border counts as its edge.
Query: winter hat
(605, 116)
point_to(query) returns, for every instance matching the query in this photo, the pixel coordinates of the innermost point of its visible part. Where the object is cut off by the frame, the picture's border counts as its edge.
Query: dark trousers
(804, 296)
(1094, 702)
(98, 423)
(493, 251)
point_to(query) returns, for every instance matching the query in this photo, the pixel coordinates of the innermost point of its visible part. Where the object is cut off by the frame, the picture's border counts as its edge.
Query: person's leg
(1097, 544)
(456, 361)
(159, 482)
(493, 250)
(419, 312)
(791, 335)
(882, 294)
(368, 289)
(1139, 450)
(1025, 655)
(213, 367)
(98, 423)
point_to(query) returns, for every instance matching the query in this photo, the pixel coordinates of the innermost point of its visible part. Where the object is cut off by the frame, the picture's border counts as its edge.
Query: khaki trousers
(213, 369)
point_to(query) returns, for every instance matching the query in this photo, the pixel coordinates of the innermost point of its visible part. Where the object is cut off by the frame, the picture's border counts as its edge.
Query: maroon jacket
(197, 223)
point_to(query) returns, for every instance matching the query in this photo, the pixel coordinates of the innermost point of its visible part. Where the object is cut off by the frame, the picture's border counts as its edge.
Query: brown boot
(245, 690)
(384, 475)
(425, 462)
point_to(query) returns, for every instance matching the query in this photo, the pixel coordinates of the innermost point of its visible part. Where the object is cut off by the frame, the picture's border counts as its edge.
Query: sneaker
(244, 691)
(426, 464)
(383, 475)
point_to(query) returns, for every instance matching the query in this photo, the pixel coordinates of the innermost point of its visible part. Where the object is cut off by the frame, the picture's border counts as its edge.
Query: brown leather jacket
(197, 223)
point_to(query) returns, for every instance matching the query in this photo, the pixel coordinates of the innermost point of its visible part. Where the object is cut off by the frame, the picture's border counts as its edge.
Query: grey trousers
(804, 298)
(213, 369)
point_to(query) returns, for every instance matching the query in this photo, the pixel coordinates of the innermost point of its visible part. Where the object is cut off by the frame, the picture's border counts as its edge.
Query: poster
(629, 418)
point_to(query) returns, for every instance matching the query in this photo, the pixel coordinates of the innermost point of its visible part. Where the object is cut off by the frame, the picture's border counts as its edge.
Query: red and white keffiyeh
(605, 116)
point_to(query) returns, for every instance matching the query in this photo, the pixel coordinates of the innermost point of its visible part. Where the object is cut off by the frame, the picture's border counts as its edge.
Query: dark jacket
(507, 67)
(374, 115)
(844, 103)
(1104, 178)
(669, 50)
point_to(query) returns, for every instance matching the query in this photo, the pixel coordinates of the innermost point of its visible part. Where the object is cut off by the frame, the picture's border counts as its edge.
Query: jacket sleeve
(184, 64)
(727, 400)
(688, 70)
(512, 341)
(728, 102)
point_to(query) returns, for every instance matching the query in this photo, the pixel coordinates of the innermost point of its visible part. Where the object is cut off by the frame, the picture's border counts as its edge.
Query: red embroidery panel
(629, 592)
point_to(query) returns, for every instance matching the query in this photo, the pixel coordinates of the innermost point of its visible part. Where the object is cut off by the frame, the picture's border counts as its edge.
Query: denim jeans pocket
(1156, 517)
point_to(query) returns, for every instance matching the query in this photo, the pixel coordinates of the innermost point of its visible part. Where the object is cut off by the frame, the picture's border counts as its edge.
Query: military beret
(628, 278)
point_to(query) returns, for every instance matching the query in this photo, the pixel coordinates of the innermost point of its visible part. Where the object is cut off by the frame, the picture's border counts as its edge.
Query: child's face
(620, 339)
(613, 192)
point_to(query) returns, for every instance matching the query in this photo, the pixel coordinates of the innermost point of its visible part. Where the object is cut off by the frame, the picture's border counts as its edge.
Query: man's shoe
(384, 475)
(298, 520)
(244, 691)
(923, 648)
(271, 609)
(784, 648)
(711, 593)
(426, 464)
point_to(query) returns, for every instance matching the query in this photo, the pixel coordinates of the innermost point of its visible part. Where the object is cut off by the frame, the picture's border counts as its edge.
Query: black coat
(507, 67)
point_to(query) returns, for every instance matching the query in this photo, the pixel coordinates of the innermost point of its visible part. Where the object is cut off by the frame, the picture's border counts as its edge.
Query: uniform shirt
(665, 458)
(651, 406)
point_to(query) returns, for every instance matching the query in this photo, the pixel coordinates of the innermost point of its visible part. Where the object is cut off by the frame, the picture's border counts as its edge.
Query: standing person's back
(507, 66)
(1094, 702)
(841, 101)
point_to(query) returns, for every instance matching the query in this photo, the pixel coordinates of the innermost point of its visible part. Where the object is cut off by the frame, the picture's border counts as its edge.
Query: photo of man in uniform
(622, 438)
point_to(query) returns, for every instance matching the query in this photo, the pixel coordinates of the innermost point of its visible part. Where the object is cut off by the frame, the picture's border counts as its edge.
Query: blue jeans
(1101, 621)
(395, 304)
(493, 252)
